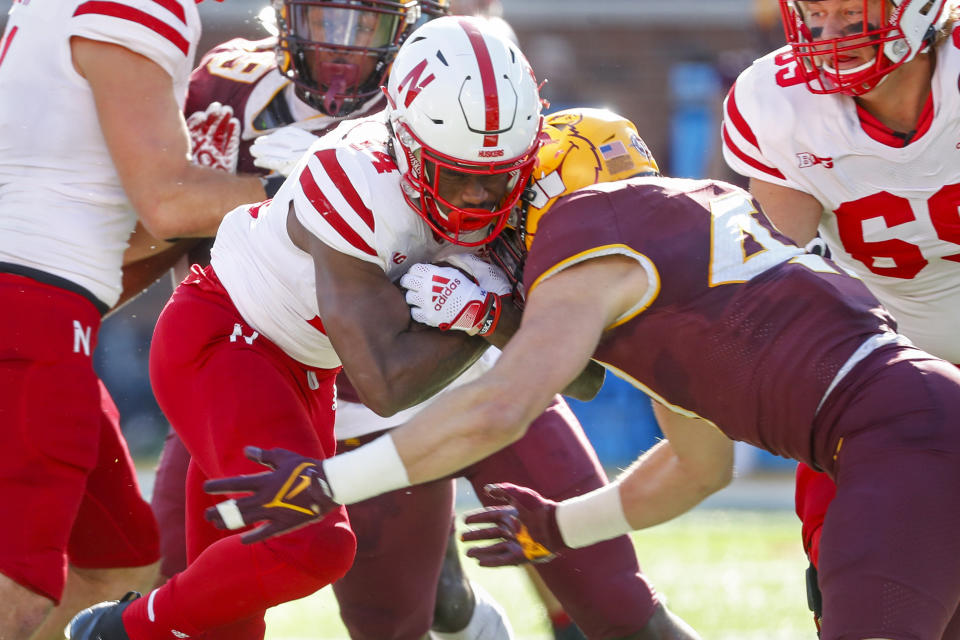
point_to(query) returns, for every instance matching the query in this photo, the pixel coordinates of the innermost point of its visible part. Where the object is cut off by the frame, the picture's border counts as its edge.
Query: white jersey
(890, 214)
(62, 207)
(346, 191)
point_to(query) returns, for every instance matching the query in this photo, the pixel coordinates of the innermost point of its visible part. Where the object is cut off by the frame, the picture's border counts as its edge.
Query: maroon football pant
(402, 537)
(75, 487)
(814, 493)
(889, 559)
(222, 391)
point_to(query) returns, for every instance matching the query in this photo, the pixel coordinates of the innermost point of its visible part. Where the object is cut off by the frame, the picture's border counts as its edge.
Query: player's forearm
(659, 487)
(192, 204)
(653, 490)
(419, 364)
(460, 428)
(585, 387)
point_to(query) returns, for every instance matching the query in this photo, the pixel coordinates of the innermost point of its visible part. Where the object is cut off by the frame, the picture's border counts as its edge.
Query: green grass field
(730, 574)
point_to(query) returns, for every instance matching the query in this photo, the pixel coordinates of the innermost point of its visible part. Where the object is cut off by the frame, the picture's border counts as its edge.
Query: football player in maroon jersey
(684, 288)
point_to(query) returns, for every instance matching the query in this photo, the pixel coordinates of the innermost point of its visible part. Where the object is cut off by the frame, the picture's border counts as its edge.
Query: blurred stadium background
(734, 566)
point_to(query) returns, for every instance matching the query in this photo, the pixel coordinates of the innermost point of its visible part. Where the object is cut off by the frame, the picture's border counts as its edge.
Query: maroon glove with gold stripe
(291, 496)
(525, 530)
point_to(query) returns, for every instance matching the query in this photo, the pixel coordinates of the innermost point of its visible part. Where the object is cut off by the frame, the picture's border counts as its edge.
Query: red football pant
(72, 493)
(221, 391)
(389, 593)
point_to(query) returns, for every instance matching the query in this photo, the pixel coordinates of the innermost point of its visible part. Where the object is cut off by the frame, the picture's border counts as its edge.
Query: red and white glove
(489, 276)
(215, 137)
(446, 298)
(281, 150)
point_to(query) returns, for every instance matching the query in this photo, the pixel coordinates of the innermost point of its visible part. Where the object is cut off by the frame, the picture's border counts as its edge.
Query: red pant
(389, 592)
(222, 391)
(75, 488)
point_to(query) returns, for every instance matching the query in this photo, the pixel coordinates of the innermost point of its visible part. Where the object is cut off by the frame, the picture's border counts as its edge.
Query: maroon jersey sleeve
(743, 328)
(229, 74)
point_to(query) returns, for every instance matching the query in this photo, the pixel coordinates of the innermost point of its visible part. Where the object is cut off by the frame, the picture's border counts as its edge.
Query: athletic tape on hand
(230, 514)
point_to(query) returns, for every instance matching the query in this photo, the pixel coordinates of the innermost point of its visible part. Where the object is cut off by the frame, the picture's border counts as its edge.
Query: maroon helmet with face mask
(338, 52)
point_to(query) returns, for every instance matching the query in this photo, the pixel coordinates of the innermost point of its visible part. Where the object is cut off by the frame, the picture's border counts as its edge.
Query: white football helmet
(901, 29)
(462, 98)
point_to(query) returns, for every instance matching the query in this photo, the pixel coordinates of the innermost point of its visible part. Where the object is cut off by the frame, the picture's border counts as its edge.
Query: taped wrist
(488, 323)
(592, 517)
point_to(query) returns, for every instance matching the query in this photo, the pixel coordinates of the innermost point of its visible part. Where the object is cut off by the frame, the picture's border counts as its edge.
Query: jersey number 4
(741, 247)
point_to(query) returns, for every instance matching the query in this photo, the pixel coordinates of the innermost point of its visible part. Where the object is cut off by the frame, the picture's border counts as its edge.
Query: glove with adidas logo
(291, 496)
(447, 298)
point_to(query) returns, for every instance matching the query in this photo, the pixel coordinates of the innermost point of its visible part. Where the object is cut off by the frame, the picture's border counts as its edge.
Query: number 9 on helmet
(463, 101)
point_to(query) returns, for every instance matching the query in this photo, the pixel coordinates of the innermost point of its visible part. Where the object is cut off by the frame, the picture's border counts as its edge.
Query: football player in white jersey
(93, 143)
(851, 130)
(263, 85)
(240, 91)
(248, 348)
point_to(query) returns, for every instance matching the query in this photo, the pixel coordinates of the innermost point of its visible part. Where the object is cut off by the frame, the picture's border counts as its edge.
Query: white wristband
(592, 517)
(366, 471)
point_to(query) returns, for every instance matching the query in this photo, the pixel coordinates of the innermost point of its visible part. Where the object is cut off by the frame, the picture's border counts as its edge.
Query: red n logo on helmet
(416, 86)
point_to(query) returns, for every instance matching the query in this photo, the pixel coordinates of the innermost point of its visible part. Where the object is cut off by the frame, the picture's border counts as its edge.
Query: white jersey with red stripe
(891, 215)
(346, 191)
(62, 207)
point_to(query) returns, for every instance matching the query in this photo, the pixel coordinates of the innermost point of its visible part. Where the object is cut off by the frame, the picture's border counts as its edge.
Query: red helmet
(896, 30)
(338, 52)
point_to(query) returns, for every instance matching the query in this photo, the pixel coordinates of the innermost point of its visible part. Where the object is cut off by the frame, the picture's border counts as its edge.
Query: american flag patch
(616, 156)
(612, 150)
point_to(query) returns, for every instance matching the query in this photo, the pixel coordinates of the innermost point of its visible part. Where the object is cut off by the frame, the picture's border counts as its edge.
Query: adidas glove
(293, 495)
(489, 276)
(446, 298)
(215, 137)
